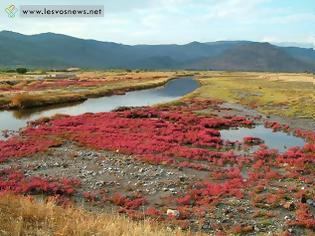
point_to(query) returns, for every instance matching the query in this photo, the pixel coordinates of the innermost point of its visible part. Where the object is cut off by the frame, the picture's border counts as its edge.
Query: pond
(172, 90)
(275, 140)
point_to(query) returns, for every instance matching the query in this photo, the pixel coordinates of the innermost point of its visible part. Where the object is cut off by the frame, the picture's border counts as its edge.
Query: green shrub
(21, 70)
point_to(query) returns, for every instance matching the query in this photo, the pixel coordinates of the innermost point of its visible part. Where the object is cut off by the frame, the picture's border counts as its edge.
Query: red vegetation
(16, 182)
(275, 126)
(153, 212)
(128, 203)
(53, 84)
(252, 140)
(242, 229)
(18, 147)
(154, 135)
(304, 217)
(176, 136)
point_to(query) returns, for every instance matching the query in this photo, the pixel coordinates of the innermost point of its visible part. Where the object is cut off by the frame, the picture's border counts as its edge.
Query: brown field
(24, 216)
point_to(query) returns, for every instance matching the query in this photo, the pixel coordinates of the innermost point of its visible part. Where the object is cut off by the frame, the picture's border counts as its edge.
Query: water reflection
(174, 89)
(277, 140)
(28, 113)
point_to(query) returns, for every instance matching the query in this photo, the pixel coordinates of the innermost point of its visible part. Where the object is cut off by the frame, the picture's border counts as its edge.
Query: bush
(23, 100)
(21, 70)
(10, 71)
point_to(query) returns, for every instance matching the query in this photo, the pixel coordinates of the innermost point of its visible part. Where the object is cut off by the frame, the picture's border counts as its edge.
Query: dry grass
(25, 100)
(288, 77)
(107, 84)
(23, 216)
(22, 100)
(287, 95)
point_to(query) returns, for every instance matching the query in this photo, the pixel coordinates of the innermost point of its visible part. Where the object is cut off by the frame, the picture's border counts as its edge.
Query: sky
(177, 21)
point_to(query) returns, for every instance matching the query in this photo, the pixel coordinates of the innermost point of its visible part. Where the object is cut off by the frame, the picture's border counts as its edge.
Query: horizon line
(278, 44)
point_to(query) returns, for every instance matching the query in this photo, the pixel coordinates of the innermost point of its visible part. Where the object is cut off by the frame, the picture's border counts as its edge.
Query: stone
(172, 213)
(289, 206)
(182, 178)
(310, 202)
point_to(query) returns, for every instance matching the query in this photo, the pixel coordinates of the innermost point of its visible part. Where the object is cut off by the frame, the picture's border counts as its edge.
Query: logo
(11, 10)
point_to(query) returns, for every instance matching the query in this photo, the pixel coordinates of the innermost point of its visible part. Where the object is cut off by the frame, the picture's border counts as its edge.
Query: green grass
(291, 99)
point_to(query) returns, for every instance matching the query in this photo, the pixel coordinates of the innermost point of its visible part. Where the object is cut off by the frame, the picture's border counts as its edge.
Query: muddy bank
(293, 122)
(173, 89)
(171, 164)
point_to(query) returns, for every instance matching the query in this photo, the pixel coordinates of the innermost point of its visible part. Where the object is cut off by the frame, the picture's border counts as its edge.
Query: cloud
(293, 18)
(179, 21)
(234, 9)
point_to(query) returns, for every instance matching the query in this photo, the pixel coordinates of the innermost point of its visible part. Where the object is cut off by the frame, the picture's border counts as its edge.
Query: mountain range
(50, 50)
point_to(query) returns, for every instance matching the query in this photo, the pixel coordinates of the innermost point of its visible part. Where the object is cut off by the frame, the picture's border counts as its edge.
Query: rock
(65, 165)
(100, 183)
(287, 217)
(248, 228)
(182, 178)
(290, 230)
(205, 226)
(289, 206)
(172, 213)
(256, 228)
(310, 202)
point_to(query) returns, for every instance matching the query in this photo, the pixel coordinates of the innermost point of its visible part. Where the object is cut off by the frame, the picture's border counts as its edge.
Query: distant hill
(259, 57)
(49, 50)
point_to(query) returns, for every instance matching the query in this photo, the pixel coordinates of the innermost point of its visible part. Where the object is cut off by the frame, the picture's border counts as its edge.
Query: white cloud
(178, 21)
(293, 18)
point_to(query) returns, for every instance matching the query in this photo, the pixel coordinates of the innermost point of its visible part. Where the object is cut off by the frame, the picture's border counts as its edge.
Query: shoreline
(33, 102)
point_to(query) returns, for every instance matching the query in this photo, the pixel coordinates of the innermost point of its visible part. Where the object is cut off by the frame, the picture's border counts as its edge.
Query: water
(277, 140)
(174, 89)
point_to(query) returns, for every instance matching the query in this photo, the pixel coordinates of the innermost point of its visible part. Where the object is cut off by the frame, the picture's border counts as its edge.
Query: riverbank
(168, 163)
(172, 90)
(171, 163)
(22, 92)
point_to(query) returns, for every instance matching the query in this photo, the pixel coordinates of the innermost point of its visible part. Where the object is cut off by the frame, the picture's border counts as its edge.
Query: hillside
(258, 57)
(49, 50)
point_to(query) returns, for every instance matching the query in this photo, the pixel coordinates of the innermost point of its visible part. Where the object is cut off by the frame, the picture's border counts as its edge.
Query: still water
(277, 140)
(174, 89)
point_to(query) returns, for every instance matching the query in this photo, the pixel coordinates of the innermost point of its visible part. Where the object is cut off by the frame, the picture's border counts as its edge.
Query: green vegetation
(269, 93)
(21, 70)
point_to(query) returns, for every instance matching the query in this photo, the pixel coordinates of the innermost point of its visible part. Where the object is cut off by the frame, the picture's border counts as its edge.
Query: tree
(21, 70)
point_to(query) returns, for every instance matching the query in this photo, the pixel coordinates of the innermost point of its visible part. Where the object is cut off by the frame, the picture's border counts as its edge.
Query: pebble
(289, 206)
(173, 213)
(310, 202)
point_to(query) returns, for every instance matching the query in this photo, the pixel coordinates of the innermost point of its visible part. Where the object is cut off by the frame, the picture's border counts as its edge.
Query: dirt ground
(107, 174)
(112, 172)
